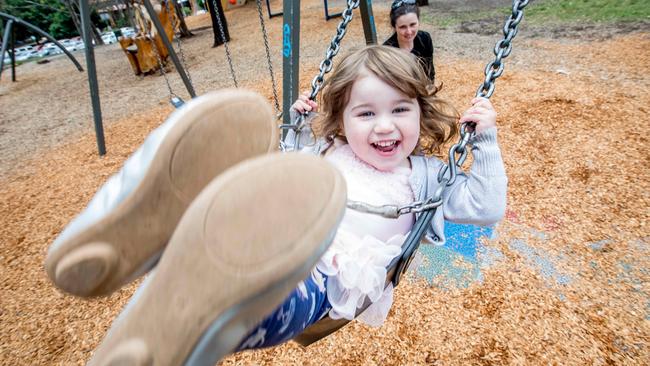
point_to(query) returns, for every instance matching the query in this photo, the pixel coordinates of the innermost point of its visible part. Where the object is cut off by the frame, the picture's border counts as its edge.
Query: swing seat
(327, 325)
(143, 50)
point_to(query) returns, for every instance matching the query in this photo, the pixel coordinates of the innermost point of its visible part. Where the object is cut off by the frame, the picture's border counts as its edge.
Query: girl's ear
(341, 130)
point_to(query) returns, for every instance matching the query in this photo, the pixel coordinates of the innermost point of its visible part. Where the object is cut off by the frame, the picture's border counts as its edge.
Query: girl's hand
(304, 104)
(482, 113)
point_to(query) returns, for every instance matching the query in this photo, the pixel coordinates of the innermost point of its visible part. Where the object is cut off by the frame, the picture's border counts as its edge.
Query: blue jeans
(306, 304)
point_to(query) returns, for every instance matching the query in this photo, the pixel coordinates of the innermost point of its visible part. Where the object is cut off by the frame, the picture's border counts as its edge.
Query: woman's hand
(482, 113)
(304, 104)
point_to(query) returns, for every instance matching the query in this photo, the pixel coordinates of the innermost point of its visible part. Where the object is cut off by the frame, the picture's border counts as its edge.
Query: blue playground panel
(456, 263)
(461, 246)
(459, 261)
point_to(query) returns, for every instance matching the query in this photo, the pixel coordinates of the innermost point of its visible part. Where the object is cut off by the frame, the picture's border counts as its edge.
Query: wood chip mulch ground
(572, 128)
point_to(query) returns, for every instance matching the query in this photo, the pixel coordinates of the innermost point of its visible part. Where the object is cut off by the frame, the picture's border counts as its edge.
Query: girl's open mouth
(386, 146)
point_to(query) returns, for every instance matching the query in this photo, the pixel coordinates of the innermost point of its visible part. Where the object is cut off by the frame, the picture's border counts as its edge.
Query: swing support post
(170, 48)
(92, 75)
(12, 20)
(290, 57)
(271, 14)
(368, 21)
(5, 43)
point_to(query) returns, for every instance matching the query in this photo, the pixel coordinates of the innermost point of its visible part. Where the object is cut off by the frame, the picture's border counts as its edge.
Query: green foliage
(558, 11)
(589, 10)
(51, 16)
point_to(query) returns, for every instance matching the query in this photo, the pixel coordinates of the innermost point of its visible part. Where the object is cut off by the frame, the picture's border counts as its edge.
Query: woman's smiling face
(406, 27)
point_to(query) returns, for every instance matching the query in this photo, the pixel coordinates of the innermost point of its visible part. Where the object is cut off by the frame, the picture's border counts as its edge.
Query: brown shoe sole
(211, 134)
(240, 249)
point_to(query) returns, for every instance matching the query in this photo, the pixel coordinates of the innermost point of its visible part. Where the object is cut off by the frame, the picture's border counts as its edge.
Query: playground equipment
(426, 209)
(328, 16)
(291, 48)
(161, 53)
(276, 102)
(145, 50)
(8, 43)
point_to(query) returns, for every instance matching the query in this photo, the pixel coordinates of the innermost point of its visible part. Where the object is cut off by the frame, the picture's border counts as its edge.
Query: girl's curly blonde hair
(402, 71)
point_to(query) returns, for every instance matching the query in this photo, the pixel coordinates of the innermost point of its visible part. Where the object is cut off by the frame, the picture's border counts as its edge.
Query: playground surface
(563, 279)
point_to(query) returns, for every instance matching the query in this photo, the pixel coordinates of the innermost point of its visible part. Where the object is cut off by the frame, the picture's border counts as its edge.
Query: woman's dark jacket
(422, 48)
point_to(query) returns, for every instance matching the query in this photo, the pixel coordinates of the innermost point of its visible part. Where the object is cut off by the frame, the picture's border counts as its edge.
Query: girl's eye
(400, 110)
(365, 114)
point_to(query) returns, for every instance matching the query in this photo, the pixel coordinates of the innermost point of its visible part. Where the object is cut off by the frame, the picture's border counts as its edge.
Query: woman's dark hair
(403, 8)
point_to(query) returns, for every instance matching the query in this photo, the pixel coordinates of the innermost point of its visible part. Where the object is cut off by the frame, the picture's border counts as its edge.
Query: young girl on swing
(247, 244)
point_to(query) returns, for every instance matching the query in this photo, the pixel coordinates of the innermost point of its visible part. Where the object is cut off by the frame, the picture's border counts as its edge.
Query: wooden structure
(146, 48)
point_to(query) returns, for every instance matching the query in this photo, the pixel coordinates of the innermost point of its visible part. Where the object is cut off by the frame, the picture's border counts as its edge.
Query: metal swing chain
(225, 42)
(268, 58)
(324, 67)
(492, 72)
(173, 98)
(502, 49)
(178, 40)
(458, 152)
(335, 45)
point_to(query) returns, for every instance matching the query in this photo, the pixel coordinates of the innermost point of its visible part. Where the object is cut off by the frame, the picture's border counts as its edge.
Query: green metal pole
(368, 21)
(290, 57)
(92, 75)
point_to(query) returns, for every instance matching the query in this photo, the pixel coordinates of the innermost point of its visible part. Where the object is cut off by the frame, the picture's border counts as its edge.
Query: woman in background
(405, 20)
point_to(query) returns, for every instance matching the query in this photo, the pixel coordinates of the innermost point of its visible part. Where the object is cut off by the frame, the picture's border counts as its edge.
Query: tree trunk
(218, 39)
(73, 15)
(184, 31)
(129, 13)
(96, 35)
(194, 4)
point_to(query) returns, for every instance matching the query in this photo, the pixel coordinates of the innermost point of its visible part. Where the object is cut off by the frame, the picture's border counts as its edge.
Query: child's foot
(122, 232)
(242, 246)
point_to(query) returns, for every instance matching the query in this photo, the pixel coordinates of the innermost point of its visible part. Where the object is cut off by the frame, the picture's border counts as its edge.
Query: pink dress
(365, 244)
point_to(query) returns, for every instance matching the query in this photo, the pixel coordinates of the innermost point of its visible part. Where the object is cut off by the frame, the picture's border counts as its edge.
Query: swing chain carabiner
(300, 127)
(335, 45)
(394, 211)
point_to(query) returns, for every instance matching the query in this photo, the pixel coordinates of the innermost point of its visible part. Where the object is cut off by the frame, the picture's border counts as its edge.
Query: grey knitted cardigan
(478, 197)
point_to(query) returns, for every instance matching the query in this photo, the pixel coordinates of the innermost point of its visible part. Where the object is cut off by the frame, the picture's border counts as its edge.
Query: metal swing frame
(328, 16)
(291, 48)
(424, 210)
(174, 99)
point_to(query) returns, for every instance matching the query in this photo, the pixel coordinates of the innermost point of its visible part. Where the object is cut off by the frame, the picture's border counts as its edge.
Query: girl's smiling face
(381, 124)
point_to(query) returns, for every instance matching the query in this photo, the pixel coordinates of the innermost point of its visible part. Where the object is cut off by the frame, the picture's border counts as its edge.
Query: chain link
(268, 57)
(161, 65)
(458, 152)
(178, 40)
(324, 68)
(502, 49)
(225, 42)
(335, 45)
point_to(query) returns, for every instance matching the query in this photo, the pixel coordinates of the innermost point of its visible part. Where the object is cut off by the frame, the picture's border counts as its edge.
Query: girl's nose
(384, 125)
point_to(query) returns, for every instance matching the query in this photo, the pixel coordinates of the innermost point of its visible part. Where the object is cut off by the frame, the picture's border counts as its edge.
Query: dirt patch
(571, 118)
